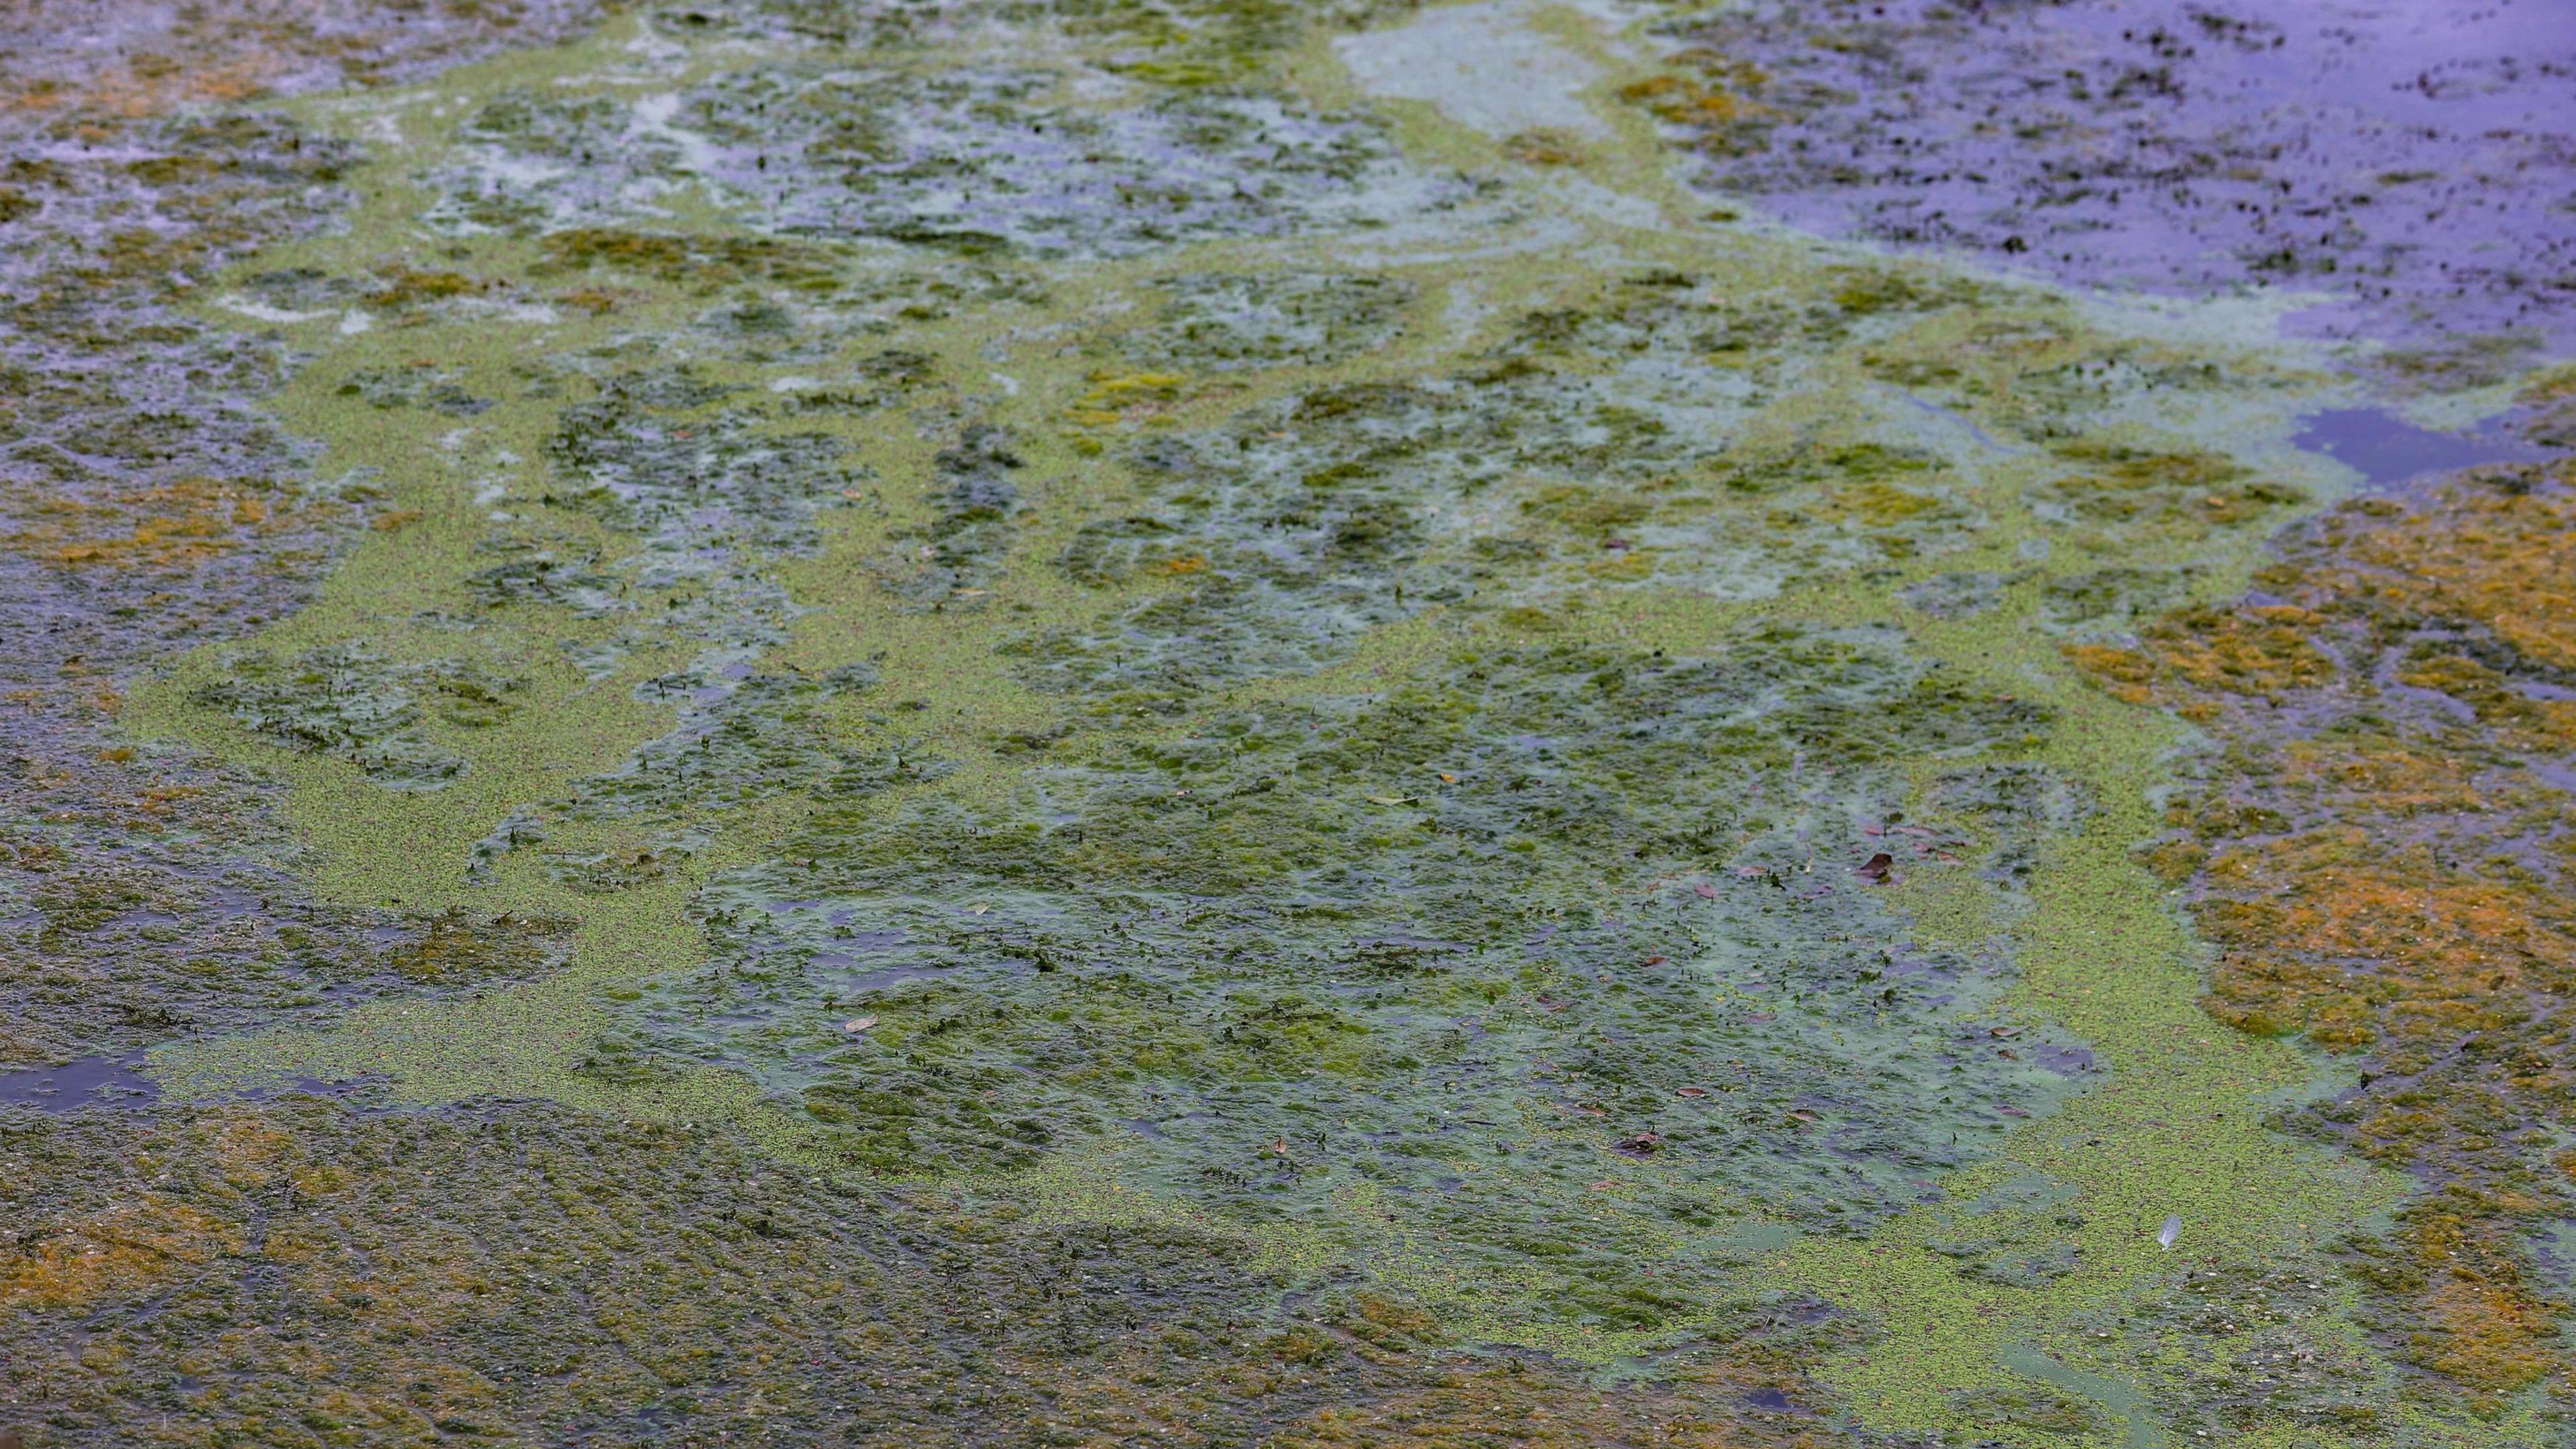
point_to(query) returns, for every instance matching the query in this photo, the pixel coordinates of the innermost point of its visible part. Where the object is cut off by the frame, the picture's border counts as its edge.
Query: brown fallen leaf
(858, 1023)
(1876, 868)
(1690, 1091)
(1644, 1144)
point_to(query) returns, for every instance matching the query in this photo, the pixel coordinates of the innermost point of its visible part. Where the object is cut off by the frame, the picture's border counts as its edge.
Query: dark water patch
(853, 980)
(2386, 449)
(2408, 159)
(2066, 1061)
(115, 1082)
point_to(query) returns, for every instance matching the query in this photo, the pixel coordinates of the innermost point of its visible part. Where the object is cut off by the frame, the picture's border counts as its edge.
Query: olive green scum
(1242, 636)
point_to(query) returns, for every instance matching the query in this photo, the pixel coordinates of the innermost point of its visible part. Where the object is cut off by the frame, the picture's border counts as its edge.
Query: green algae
(1223, 322)
(350, 702)
(1106, 783)
(989, 946)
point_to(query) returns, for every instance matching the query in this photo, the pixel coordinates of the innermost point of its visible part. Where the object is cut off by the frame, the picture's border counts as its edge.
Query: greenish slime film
(1084, 722)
